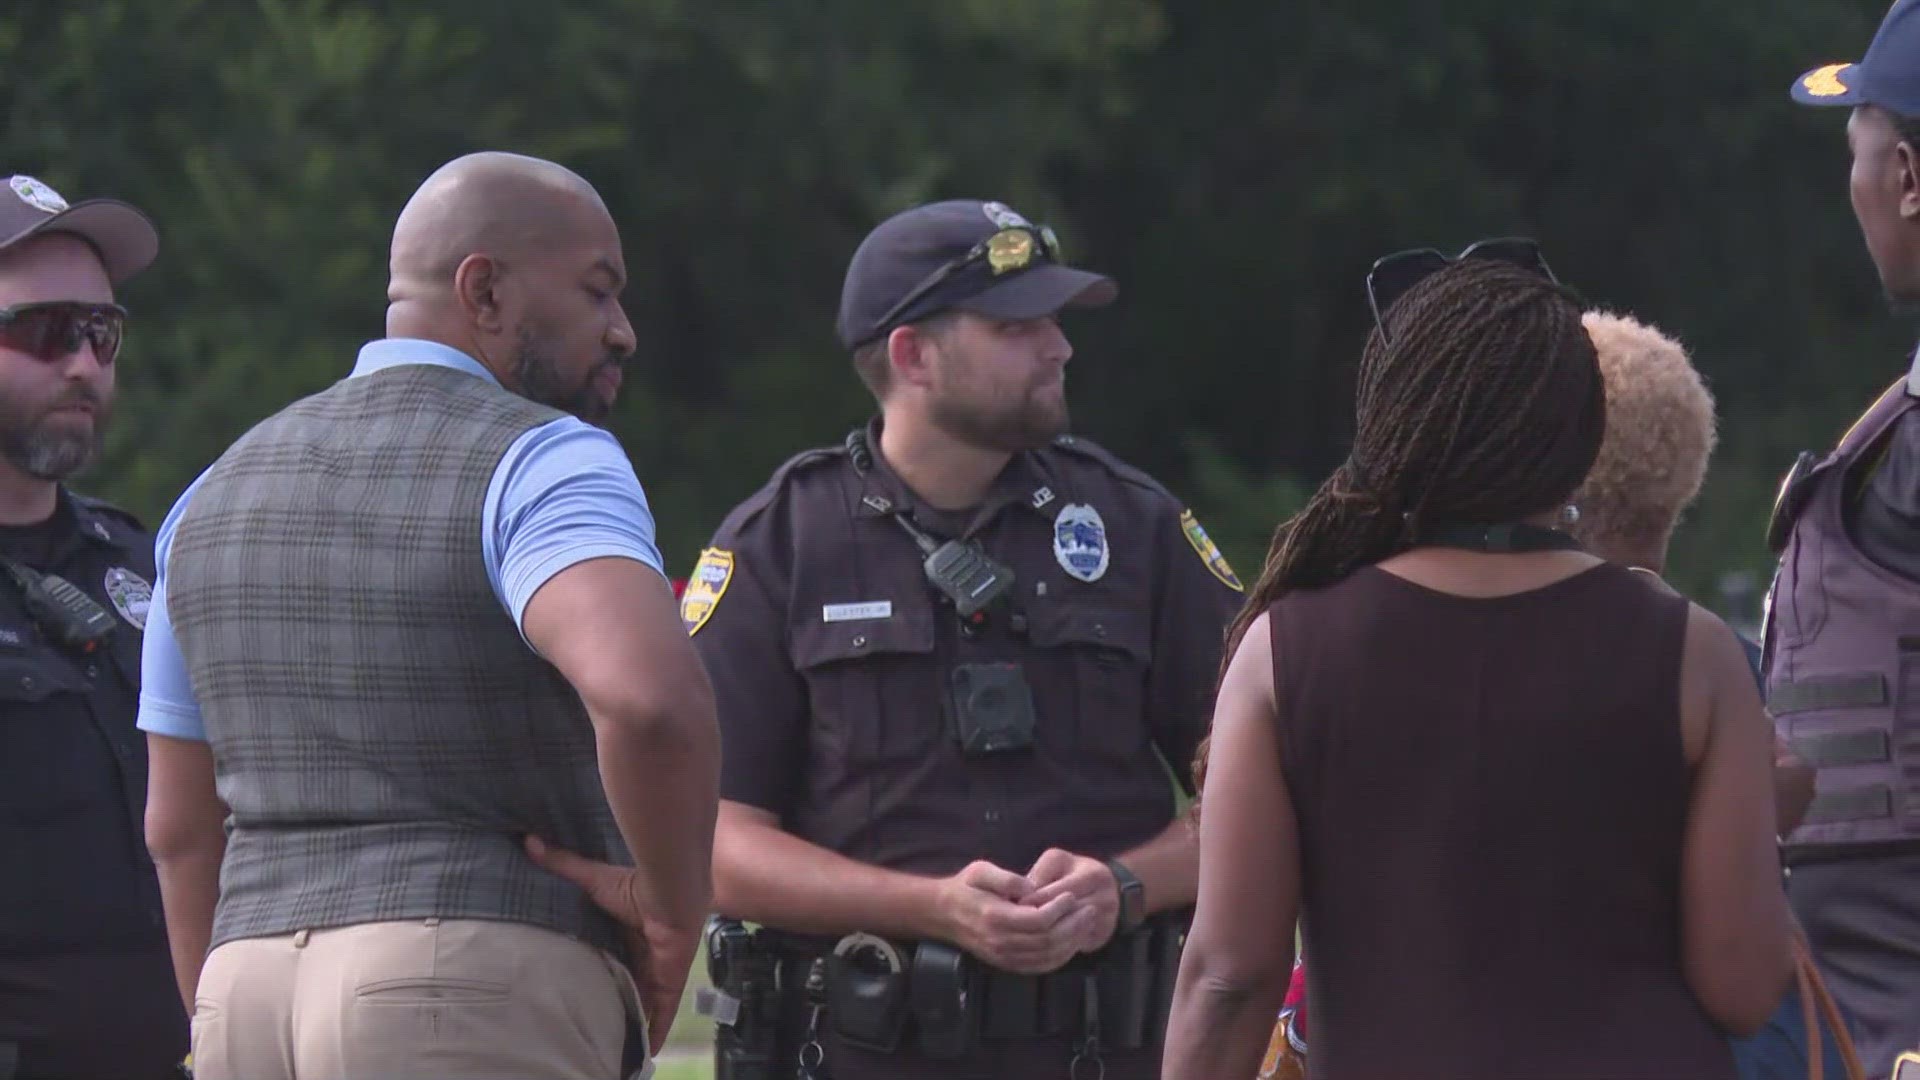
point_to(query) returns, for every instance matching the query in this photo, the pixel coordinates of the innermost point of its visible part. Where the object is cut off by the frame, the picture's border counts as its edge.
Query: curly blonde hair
(1660, 433)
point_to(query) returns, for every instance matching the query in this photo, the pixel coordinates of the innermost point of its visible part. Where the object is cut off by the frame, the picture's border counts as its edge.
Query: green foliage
(1237, 165)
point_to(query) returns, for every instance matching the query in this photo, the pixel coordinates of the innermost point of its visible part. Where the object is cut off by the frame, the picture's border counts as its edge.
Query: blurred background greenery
(1237, 165)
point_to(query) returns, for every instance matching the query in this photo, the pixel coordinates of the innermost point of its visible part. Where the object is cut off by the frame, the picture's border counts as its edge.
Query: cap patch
(1004, 216)
(37, 195)
(1824, 81)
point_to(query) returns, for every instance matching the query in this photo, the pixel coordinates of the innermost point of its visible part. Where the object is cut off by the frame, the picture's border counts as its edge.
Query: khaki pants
(454, 999)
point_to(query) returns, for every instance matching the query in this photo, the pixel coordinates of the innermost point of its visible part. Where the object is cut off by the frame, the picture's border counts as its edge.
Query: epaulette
(801, 462)
(99, 508)
(1087, 448)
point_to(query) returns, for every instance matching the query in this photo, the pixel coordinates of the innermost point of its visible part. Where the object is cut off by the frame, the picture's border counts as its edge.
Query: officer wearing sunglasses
(86, 984)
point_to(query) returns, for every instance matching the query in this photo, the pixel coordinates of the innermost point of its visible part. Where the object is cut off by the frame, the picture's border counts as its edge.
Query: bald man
(405, 633)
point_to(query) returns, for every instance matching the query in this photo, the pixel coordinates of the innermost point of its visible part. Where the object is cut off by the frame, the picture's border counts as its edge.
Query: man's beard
(538, 374)
(1031, 424)
(45, 451)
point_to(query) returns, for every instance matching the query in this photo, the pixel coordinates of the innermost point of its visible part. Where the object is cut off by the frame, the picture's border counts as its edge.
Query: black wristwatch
(1133, 897)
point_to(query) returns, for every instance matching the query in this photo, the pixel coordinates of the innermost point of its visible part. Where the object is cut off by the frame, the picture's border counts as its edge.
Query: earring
(1570, 516)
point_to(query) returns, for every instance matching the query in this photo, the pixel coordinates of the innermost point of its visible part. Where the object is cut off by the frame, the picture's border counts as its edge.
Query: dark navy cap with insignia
(965, 254)
(1888, 76)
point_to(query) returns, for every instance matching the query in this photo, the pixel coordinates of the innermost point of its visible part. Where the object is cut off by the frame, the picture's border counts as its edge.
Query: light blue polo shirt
(563, 493)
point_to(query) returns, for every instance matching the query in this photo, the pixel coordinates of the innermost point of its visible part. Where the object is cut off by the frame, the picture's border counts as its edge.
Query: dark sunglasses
(1013, 248)
(1394, 275)
(53, 331)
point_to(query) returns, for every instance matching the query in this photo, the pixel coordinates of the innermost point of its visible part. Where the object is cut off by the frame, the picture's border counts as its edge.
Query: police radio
(964, 574)
(71, 618)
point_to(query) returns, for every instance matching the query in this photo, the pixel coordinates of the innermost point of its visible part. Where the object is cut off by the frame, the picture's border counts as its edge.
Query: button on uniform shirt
(832, 658)
(562, 494)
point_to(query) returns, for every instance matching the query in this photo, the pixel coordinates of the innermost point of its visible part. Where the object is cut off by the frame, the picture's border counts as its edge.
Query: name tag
(872, 609)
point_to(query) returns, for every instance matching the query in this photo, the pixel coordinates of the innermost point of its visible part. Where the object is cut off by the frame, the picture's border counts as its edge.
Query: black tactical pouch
(944, 1011)
(992, 708)
(867, 992)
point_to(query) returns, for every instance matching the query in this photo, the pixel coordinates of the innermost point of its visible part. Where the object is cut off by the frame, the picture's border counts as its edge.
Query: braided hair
(1483, 406)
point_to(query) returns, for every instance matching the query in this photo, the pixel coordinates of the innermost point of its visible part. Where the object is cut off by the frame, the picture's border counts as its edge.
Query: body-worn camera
(992, 708)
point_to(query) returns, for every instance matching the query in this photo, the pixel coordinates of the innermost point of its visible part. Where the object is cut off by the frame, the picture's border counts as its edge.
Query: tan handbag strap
(1809, 1015)
(1813, 990)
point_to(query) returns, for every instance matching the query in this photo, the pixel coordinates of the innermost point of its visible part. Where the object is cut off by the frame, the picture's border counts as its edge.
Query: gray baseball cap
(123, 236)
(965, 254)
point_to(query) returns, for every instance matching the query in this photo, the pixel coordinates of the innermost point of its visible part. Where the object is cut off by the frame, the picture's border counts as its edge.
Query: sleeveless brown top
(1491, 798)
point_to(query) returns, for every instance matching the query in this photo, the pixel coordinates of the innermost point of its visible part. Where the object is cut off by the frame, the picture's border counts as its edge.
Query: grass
(699, 1069)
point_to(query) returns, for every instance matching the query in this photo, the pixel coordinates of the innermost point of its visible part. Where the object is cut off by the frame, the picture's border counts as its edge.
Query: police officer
(955, 655)
(86, 987)
(1843, 626)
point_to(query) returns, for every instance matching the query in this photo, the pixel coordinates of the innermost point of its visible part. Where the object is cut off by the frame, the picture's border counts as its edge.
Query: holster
(1132, 979)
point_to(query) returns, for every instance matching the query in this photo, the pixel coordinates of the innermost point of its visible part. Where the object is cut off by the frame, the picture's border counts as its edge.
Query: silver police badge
(131, 595)
(36, 194)
(1080, 541)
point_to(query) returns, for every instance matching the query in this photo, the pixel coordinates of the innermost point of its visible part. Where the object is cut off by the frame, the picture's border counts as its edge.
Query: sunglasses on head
(1393, 276)
(54, 330)
(1013, 248)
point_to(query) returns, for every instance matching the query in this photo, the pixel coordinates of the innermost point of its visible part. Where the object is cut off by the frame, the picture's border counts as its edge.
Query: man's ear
(478, 286)
(1907, 160)
(911, 352)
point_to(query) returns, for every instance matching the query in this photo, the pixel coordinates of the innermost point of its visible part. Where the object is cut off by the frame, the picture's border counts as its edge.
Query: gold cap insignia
(1009, 249)
(1825, 81)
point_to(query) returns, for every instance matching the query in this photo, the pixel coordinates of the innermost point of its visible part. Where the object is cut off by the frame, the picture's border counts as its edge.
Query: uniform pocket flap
(817, 644)
(25, 680)
(1059, 625)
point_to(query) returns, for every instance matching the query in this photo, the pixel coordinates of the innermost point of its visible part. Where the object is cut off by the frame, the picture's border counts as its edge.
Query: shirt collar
(1024, 482)
(393, 352)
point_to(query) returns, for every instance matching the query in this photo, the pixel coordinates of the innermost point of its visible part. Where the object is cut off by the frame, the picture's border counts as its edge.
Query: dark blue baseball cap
(960, 254)
(1888, 76)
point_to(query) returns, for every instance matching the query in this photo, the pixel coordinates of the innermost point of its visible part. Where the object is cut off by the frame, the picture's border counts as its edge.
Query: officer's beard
(541, 380)
(45, 450)
(1032, 423)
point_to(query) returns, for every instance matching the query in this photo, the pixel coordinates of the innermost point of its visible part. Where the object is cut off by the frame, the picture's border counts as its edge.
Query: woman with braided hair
(1517, 796)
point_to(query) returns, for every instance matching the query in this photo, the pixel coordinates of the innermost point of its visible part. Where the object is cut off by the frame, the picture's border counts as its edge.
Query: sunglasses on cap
(1393, 276)
(53, 331)
(1013, 248)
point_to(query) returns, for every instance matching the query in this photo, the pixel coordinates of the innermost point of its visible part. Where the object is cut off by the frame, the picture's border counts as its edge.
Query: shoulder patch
(1209, 552)
(705, 586)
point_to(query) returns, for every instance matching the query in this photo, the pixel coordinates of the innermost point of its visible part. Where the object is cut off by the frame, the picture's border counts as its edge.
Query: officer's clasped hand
(1062, 873)
(988, 911)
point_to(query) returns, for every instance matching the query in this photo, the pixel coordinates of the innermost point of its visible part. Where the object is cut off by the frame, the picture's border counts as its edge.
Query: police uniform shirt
(831, 656)
(86, 983)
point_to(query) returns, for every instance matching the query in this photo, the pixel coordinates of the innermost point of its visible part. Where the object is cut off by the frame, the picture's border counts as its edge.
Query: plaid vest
(382, 734)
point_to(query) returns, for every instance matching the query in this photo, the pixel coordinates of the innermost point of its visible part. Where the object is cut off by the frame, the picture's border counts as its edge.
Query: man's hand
(1793, 781)
(1060, 873)
(662, 955)
(990, 914)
